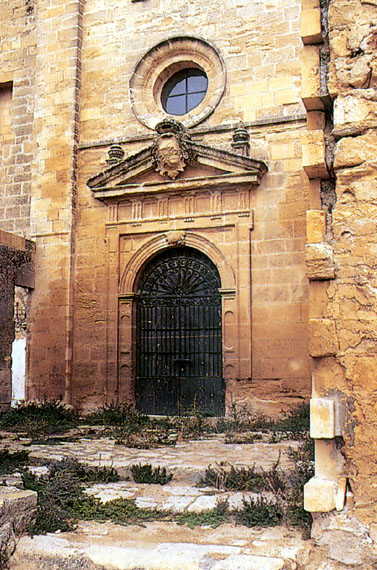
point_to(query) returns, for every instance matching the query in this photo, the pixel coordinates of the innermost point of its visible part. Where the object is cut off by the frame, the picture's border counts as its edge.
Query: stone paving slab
(162, 546)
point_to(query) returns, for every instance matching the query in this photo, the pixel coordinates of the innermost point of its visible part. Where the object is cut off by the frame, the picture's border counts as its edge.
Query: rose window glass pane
(184, 91)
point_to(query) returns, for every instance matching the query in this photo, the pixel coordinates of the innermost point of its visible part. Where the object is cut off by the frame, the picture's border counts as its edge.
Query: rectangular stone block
(319, 495)
(316, 120)
(310, 78)
(322, 338)
(311, 29)
(322, 418)
(315, 226)
(17, 507)
(313, 154)
(319, 261)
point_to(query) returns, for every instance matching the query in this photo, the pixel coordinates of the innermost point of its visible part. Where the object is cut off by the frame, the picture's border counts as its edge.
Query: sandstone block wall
(17, 64)
(263, 66)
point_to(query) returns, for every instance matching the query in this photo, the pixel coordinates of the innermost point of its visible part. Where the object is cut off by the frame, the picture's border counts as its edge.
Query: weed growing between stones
(39, 418)
(119, 511)
(131, 428)
(259, 511)
(61, 490)
(11, 462)
(241, 419)
(213, 517)
(243, 438)
(146, 438)
(62, 500)
(123, 415)
(227, 477)
(151, 475)
(287, 504)
(303, 471)
(294, 424)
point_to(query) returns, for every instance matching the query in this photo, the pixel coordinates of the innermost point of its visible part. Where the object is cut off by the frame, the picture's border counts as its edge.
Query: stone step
(172, 497)
(161, 546)
(187, 460)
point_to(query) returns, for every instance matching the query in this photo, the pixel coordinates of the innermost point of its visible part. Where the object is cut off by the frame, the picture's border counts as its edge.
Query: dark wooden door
(179, 336)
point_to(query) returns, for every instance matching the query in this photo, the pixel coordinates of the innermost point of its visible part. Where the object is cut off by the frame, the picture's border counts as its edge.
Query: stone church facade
(198, 181)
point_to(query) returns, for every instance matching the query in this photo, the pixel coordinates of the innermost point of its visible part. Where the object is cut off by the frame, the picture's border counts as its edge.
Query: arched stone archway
(166, 240)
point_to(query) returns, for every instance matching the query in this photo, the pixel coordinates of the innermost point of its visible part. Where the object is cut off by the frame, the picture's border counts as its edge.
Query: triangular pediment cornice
(173, 163)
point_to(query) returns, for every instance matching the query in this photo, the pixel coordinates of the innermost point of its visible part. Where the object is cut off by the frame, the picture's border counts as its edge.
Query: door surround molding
(218, 242)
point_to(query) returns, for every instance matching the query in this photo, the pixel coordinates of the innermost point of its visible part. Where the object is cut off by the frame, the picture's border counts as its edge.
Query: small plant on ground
(123, 414)
(302, 472)
(84, 473)
(242, 419)
(151, 475)
(11, 462)
(119, 511)
(259, 512)
(243, 438)
(227, 477)
(213, 518)
(305, 451)
(39, 418)
(131, 428)
(293, 423)
(146, 438)
(60, 491)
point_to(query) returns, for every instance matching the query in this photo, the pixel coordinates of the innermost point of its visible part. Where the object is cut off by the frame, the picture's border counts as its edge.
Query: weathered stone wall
(17, 65)
(54, 195)
(352, 298)
(341, 264)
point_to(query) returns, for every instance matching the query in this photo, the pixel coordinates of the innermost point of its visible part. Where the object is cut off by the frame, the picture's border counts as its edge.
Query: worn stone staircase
(162, 545)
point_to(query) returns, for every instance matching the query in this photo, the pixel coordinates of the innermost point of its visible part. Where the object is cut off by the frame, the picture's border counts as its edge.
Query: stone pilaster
(53, 200)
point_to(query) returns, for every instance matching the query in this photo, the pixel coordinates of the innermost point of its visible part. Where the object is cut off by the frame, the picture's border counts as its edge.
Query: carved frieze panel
(192, 204)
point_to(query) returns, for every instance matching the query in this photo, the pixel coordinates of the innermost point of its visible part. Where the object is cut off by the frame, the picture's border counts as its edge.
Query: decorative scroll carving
(170, 150)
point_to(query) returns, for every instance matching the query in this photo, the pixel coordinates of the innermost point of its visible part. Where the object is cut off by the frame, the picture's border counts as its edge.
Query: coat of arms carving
(170, 151)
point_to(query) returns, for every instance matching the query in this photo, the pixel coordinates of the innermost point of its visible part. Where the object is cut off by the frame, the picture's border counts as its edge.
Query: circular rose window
(182, 77)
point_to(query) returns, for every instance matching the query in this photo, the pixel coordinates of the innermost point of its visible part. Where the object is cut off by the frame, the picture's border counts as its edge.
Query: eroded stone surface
(158, 546)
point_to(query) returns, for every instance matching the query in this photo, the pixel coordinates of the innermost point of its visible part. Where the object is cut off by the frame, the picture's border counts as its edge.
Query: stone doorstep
(160, 546)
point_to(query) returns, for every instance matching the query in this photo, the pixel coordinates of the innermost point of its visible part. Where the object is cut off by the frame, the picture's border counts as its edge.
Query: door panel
(179, 339)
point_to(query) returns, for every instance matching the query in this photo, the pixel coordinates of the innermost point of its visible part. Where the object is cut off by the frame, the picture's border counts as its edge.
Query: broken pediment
(173, 163)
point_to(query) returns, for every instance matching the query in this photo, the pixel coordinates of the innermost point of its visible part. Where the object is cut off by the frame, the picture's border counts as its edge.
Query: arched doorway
(179, 335)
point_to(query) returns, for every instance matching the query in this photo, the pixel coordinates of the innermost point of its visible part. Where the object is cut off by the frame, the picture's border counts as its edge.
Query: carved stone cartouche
(171, 149)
